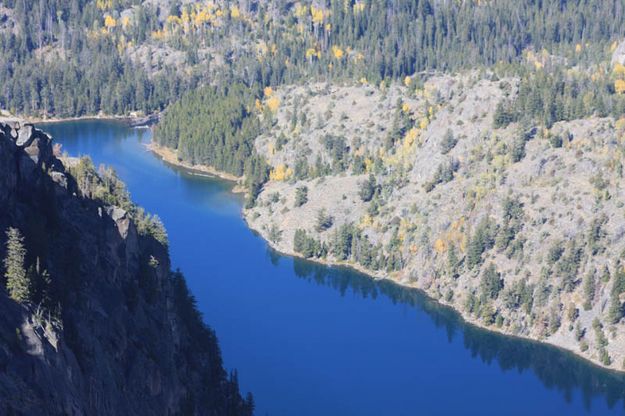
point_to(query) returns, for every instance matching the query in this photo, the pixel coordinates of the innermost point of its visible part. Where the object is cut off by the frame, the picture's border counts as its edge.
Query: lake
(307, 339)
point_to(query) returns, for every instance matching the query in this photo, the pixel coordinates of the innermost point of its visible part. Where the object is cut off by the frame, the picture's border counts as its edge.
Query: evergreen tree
(324, 221)
(301, 196)
(616, 310)
(491, 283)
(448, 142)
(589, 291)
(17, 280)
(367, 189)
(452, 262)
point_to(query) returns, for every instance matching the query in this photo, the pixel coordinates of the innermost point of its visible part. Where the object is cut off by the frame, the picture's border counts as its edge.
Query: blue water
(313, 340)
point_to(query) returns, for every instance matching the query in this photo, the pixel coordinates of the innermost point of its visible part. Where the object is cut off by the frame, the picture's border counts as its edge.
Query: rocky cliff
(107, 328)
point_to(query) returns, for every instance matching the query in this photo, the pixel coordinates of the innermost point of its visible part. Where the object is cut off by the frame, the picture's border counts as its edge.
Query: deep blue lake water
(312, 340)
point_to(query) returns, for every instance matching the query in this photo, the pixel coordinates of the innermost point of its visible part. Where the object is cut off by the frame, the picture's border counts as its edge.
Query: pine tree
(491, 283)
(615, 310)
(452, 262)
(589, 291)
(17, 280)
(367, 189)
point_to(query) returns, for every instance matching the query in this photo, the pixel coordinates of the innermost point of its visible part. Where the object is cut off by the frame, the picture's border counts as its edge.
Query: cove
(307, 339)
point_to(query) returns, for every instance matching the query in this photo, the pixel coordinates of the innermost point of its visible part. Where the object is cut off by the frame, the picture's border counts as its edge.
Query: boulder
(24, 134)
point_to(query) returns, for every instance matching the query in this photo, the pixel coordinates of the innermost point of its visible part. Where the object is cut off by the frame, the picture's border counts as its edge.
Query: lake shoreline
(403, 283)
(170, 156)
(133, 121)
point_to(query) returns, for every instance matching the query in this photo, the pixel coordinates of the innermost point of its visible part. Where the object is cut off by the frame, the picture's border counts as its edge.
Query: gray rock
(24, 134)
(618, 56)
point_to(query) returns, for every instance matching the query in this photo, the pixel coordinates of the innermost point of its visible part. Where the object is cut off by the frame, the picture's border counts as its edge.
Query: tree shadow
(556, 368)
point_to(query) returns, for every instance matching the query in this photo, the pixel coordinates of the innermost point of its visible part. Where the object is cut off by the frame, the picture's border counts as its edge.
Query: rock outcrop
(118, 332)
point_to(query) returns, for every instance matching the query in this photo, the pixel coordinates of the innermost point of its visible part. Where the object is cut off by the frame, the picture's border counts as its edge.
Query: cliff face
(113, 330)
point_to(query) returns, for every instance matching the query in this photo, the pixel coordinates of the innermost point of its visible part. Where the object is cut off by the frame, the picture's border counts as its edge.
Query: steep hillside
(517, 225)
(94, 321)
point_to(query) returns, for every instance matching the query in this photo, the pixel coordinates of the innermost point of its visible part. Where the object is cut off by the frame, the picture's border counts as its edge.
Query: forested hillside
(84, 57)
(216, 126)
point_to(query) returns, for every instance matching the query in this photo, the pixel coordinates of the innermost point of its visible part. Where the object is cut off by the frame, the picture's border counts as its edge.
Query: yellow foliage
(271, 149)
(184, 16)
(578, 48)
(281, 173)
(407, 81)
(619, 70)
(368, 165)
(273, 104)
(620, 124)
(423, 123)
(440, 246)
(235, 13)
(109, 22)
(411, 136)
(311, 52)
(359, 7)
(499, 162)
(619, 86)
(158, 34)
(125, 21)
(337, 52)
(457, 225)
(174, 20)
(366, 221)
(104, 4)
(317, 14)
(363, 81)
(300, 11)
(328, 27)
(405, 108)
(613, 46)
(268, 91)
(202, 16)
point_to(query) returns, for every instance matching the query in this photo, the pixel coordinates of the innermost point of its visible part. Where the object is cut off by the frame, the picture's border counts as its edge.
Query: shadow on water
(556, 368)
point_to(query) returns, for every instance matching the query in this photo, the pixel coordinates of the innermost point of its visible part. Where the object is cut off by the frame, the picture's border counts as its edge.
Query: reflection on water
(314, 340)
(556, 368)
